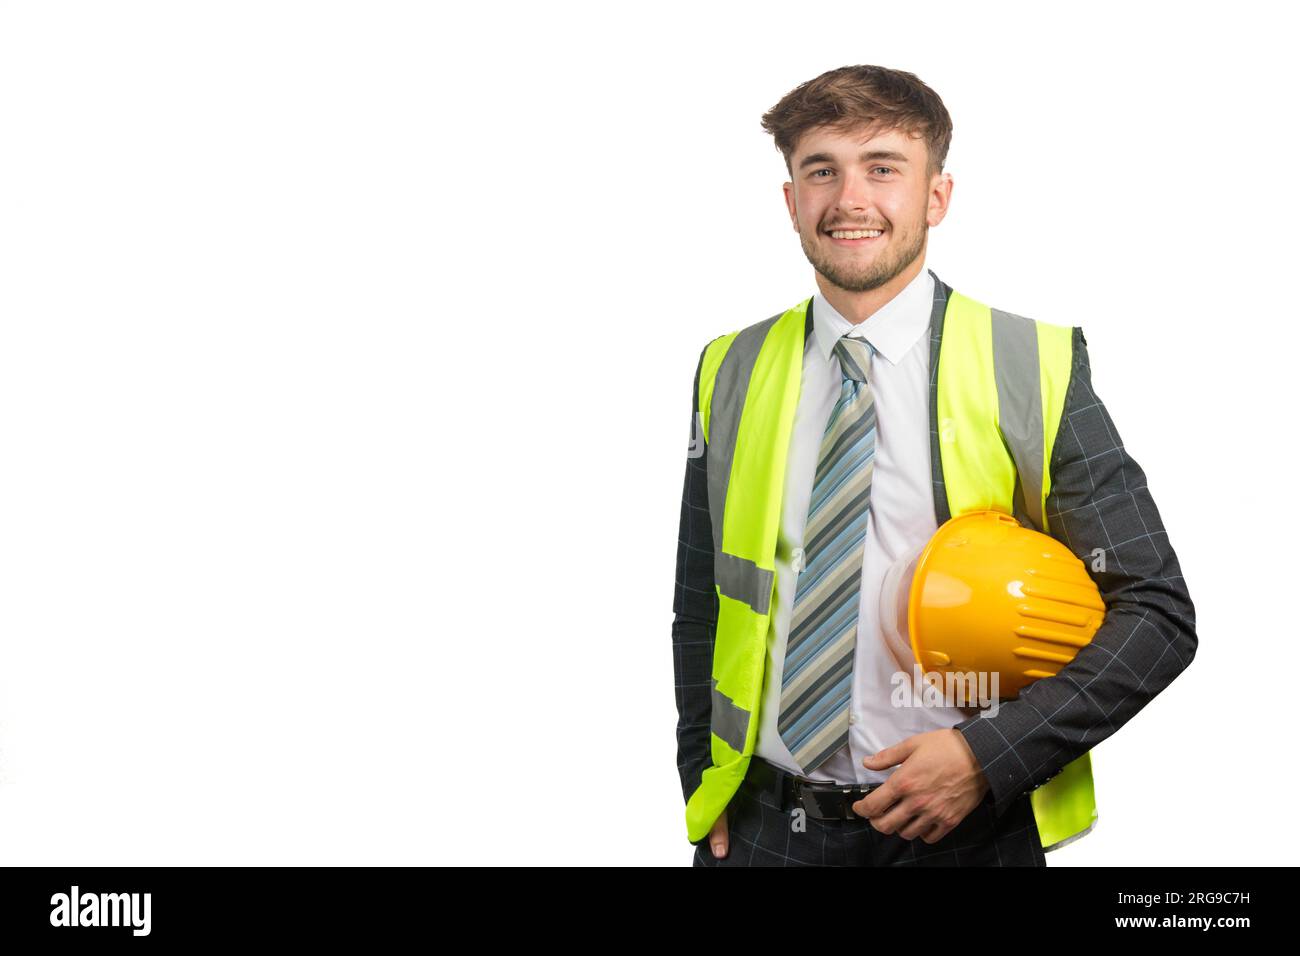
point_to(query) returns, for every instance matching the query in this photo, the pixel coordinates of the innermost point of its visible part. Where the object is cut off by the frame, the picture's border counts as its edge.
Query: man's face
(860, 180)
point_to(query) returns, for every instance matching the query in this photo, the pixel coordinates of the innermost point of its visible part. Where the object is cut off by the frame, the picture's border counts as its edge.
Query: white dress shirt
(900, 521)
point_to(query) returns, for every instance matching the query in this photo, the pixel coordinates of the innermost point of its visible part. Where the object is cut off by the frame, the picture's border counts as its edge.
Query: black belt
(819, 798)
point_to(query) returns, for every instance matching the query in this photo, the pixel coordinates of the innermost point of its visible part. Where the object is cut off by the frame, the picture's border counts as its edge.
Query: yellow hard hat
(986, 594)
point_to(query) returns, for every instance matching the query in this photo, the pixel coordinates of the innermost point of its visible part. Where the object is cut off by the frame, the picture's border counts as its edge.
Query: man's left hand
(938, 783)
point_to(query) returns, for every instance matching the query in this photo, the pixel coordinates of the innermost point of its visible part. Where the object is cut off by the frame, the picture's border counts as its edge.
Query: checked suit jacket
(1098, 499)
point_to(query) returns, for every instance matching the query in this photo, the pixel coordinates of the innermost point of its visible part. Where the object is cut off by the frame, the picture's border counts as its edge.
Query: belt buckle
(828, 801)
(825, 802)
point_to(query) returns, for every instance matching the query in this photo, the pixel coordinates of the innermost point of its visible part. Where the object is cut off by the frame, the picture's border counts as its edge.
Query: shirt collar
(892, 329)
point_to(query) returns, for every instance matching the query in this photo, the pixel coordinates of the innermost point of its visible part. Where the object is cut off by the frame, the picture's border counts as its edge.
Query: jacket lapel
(941, 293)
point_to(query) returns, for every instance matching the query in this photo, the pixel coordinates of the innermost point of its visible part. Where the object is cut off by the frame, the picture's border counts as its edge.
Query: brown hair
(853, 96)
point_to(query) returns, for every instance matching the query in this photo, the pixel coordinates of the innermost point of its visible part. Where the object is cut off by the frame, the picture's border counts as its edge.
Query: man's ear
(940, 197)
(788, 190)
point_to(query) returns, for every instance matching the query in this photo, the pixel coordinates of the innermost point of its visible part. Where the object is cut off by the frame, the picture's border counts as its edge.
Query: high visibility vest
(1000, 387)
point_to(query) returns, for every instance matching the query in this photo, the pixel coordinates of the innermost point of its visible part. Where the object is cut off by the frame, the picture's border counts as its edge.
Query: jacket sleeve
(695, 608)
(1099, 506)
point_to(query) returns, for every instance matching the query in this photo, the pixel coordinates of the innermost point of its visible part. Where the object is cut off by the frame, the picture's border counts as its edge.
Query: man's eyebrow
(868, 156)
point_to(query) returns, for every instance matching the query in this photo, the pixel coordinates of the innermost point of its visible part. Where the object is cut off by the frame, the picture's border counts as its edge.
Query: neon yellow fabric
(1065, 807)
(749, 528)
(1055, 358)
(979, 474)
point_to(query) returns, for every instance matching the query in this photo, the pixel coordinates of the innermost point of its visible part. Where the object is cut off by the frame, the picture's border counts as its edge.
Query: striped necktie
(817, 682)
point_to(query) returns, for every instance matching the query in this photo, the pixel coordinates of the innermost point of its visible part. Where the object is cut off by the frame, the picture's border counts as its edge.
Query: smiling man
(867, 245)
(818, 459)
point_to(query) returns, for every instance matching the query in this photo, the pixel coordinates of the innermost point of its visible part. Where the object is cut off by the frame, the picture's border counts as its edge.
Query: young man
(791, 746)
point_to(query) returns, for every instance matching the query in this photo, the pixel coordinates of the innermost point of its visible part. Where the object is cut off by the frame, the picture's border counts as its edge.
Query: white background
(345, 376)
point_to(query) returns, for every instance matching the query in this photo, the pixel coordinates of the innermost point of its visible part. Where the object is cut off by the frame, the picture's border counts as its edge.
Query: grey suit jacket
(1098, 500)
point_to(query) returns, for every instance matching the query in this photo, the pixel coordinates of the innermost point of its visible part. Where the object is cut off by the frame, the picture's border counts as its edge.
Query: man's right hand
(719, 841)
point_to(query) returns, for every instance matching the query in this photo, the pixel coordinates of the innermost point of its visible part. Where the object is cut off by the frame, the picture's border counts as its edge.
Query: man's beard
(854, 277)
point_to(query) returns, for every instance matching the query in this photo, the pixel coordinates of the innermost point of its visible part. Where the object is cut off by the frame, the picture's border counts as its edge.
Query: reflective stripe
(742, 580)
(1020, 403)
(714, 353)
(728, 721)
(726, 404)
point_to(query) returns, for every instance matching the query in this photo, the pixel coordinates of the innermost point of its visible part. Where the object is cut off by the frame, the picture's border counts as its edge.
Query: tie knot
(855, 357)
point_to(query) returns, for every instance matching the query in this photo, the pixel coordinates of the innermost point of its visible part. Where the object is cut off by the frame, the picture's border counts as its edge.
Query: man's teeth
(857, 234)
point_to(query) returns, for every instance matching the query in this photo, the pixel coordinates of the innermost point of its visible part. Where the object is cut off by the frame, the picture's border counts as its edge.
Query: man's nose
(855, 194)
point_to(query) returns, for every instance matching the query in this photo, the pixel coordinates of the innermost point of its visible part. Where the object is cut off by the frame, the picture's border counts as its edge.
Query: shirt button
(796, 559)
(853, 718)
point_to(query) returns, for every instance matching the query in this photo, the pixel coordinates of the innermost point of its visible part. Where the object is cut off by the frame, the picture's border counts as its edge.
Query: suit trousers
(762, 834)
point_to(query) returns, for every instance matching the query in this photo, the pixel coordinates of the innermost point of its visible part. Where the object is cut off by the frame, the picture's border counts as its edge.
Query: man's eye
(875, 169)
